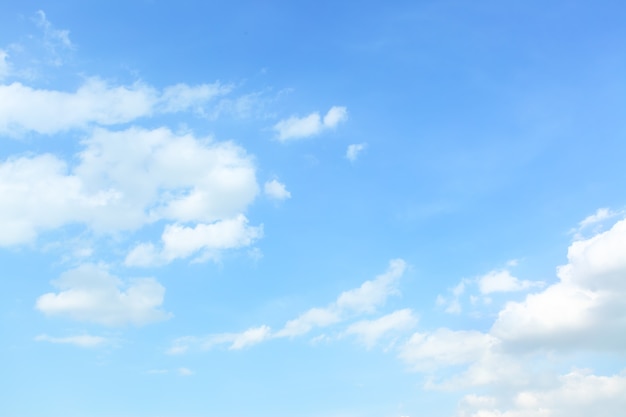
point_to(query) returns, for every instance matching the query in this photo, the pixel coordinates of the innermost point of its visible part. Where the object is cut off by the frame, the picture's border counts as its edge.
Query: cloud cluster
(295, 128)
(125, 180)
(493, 282)
(585, 311)
(89, 293)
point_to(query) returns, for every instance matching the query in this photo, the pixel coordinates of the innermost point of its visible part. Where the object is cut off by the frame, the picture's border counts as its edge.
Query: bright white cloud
(89, 293)
(353, 151)
(250, 337)
(124, 180)
(371, 331)
(585, 309)
(86, 341)
(503, 281)
(276, 190)
(311, 125)
(179, 242)
(24, 108)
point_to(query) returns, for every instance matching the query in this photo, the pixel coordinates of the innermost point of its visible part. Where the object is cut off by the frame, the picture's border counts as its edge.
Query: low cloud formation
(89, 293)
(295, 128)
(125, 180)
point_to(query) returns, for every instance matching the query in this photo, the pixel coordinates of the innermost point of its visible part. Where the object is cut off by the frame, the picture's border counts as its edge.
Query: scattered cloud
(578, 393)
(444, 347)
(89, 293)
(276, 190)
(85, 341)
(369, 332)
(495, 281)
(595, 222)
(302, 127)
(503, 281)
(356, 302)
(353, 151)
(95, 102)
(180, 242)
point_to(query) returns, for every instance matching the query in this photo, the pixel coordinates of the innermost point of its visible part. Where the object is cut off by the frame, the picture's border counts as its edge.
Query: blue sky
(316, 209)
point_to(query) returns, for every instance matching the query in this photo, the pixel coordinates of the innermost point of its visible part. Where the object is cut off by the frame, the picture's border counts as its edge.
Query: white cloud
(250, 337)
(363, 300)
(503, 281)
(599, 216)
(304, 323)
(370, 331)
(124, 180)
(53, 36)
(585, 309)
(276, 190)
(374, 293)
(576, 394)
(181, 97)
(86, 341)
(353, 151)
(89, 293)
(445, 347)
(179, 242)
(311, 125)
(24, 108)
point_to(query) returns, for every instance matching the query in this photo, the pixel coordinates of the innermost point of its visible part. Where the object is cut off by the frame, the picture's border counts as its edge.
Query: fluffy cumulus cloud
(89, 293)
(95, 102)
(295, 128)
(513, 363)
(179, 242)
(124, 180)
(352, 303)
(353, 151)
(276, 190)
(586, 308)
